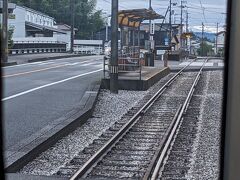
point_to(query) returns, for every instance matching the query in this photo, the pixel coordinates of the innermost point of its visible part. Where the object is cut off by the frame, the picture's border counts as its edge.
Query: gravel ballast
(109, 108)
(205, 157)
(205, 161)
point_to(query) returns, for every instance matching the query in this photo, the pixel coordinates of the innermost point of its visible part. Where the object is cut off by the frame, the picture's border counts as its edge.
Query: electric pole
(181, 31)
(187, 39)
(114, 49)
(106, 40)
(150, 22)
(72, 10)
(170, 25)
(4, 32)
(202, 36)
(217, 39)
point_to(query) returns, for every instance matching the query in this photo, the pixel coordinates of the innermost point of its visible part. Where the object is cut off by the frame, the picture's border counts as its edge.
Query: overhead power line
(203, 10)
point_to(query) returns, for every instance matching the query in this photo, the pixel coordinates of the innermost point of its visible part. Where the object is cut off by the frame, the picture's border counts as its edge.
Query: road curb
(30, 148)
(8, 64)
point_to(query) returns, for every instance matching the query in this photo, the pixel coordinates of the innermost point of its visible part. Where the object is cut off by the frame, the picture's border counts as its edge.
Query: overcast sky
(210, 12)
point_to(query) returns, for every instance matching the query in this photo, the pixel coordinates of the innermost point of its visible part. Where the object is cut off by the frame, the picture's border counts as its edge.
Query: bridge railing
(37, 50)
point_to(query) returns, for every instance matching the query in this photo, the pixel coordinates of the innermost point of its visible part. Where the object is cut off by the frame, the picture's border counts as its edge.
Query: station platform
(150, 75)
(132, 80)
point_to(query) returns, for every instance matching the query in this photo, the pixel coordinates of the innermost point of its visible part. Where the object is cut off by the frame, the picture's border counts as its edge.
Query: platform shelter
(134, 72)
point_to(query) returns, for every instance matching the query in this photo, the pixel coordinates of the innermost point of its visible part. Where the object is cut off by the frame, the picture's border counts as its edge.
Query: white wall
(18, 23)
(221, 40)
(38, 18)
(23, 15)
(35, 39)
(64, 38)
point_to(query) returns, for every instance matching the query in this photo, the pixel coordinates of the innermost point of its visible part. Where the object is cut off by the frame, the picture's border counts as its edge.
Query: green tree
(205, 49)
(87, 18)
(10, 34)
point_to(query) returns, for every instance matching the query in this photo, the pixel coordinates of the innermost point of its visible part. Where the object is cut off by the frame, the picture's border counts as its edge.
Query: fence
(30, 47)
(129, 61)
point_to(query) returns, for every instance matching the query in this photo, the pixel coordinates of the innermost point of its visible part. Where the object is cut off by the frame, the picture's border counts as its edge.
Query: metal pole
(5, 31)
(181, 30)
(114, 48)
(150, 37)
(217, 40)
(187, 29)
(72, 9)
(134, 37)
(170, 23)
(106, 39)
(202, 36)
(139, 37)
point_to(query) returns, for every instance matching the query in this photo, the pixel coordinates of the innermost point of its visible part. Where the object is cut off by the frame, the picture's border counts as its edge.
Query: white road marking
(50, 84)
(44, 63)
(89, 64)
(55, 60)
(72, 64)
(61, 64)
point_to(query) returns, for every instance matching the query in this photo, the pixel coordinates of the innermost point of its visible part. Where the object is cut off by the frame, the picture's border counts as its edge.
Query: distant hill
(210, 36)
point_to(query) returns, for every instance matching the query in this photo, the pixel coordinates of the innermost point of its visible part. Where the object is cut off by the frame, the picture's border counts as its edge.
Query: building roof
(221, 32)
(37, 12)
(158, 26)
(65, 27)
(134, 17)
(13, 6)
(10, 5)
(36, 26)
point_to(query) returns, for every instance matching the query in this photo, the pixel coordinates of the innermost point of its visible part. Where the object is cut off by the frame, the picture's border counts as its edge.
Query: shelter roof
(134, 17)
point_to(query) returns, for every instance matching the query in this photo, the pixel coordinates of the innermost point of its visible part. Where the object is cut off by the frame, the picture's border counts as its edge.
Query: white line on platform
(50, 84)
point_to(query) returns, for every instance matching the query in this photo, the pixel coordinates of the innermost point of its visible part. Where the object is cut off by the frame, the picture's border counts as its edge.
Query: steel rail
(161, 153)
(105, 148)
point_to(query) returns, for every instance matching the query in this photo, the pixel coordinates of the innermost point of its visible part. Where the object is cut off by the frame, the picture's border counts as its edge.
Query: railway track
(136, 146)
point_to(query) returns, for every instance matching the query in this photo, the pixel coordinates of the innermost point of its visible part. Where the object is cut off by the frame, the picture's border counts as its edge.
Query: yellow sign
(11, 16)
(187, 35)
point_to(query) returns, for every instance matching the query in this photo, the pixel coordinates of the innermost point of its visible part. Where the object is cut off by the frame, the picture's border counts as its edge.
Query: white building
(88, 46)
(27, 22)
(37, 32)
(36, 29)
(220, 40)
(66, 36)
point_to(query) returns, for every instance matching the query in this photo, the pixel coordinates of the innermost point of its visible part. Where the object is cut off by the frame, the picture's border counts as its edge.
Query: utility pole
(187, 21)
(114, 49)
(150, 22)
(187, 39)
(4, 32)
(72, 10)
(181, 31)
(106, 31)
(217, 39)
(170, 24)
(202, 36)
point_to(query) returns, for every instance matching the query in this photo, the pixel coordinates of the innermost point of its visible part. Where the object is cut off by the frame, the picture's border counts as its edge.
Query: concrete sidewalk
(27, 58)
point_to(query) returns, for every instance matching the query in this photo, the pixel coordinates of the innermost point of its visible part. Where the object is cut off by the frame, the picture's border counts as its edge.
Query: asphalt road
(35, 94)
